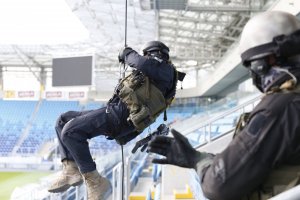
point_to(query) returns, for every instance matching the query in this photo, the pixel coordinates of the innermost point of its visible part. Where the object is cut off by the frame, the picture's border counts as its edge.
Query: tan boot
(70, 177)
(97, 186)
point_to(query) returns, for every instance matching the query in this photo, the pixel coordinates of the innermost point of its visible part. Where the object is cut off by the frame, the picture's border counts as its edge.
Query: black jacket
(161, 73)
(270, 139)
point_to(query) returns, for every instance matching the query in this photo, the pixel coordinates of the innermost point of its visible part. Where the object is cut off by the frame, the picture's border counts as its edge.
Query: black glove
(161, 130)
(123, 53)
(126, 138)
(178, 151)
(141, 143)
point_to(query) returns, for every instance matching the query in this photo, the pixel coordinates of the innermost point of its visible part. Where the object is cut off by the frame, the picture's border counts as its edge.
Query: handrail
(213, 139)
(213, 119)
(206, 126)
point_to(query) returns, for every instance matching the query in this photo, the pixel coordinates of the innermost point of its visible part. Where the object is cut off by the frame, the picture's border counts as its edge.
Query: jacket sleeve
(160, 72)
(139, 62)
(248, 159)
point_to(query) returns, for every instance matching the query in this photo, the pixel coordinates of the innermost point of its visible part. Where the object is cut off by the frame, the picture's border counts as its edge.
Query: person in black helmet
(263, 159)
(154, 63)
(121, 119)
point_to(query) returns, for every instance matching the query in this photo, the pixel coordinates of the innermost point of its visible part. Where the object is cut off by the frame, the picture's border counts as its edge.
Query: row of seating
(14, 117)
(39, 118)
(43, 123)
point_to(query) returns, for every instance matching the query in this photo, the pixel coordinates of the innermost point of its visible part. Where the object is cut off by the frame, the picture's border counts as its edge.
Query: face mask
(268, 79)
(273, 76)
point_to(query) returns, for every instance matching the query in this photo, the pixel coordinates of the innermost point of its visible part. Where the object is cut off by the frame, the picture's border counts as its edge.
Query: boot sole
(65, 187)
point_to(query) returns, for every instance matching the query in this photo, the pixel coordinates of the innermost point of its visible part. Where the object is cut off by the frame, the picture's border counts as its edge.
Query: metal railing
(117, 178)
(204, 133)
(291, 194)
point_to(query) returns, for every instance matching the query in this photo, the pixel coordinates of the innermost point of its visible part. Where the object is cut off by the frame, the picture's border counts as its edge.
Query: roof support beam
(170, 41)
(192, 30)
(183, 5)
(230, 38)
(169, 34)
(217, 8)
(192, 19)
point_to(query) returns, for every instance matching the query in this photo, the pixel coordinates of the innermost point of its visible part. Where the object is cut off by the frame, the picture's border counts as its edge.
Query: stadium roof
(198, 32)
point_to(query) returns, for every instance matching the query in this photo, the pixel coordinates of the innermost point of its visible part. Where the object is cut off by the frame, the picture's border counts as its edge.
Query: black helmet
(156, 46)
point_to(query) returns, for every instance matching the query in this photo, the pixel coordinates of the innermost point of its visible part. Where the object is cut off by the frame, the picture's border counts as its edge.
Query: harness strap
(148, 88)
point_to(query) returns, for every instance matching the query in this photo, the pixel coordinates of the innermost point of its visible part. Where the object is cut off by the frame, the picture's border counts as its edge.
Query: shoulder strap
(171, 93)
(241, 123)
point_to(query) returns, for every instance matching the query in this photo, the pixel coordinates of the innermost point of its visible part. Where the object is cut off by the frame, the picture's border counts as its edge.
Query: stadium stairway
(42, 128)
(14, 117)
(26, 131)
(143, 181)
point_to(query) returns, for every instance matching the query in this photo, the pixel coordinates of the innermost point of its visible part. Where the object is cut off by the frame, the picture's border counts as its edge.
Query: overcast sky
(39, 22)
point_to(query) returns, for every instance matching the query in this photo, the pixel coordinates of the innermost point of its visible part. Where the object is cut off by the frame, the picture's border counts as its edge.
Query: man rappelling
(138, 100)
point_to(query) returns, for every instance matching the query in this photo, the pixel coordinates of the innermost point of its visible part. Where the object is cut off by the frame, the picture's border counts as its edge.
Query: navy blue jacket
(161, 73)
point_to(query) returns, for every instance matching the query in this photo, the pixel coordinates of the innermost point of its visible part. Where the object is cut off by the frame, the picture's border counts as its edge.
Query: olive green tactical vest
(144, 100)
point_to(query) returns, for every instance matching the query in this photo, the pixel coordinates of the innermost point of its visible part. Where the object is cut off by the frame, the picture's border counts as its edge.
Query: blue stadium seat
(14, 117)
(39, 117)
(42, 129)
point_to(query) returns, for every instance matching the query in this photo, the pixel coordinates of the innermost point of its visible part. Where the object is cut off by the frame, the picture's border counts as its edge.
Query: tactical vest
(144, 100)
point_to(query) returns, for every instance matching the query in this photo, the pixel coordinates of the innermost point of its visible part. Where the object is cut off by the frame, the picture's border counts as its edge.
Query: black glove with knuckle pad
(177, 151)
(123, 53)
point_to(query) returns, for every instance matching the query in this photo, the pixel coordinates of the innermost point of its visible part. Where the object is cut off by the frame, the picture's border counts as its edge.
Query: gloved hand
(126, 138)
(123, 53)
(178, 151)
(141, 143)
(162, 129)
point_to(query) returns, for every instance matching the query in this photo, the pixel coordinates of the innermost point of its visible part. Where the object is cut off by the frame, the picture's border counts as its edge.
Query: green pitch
(10, 180)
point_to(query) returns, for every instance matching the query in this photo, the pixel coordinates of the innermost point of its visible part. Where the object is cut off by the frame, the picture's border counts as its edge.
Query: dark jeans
(74, 128)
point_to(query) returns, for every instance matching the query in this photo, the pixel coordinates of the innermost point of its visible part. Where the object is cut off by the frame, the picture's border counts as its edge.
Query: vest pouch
(129, 97)
(144, 100)
(157, 103)
(141, 119)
